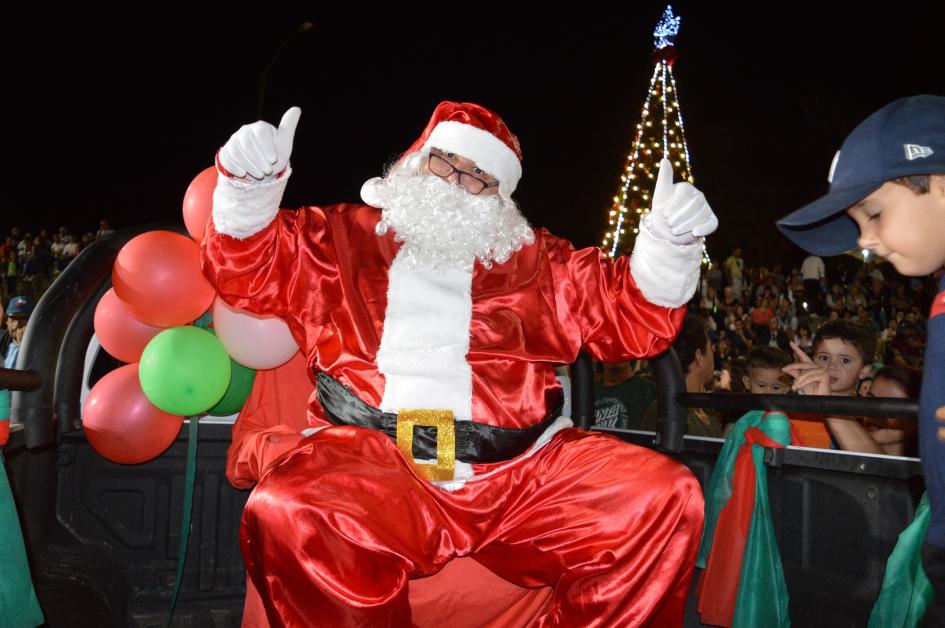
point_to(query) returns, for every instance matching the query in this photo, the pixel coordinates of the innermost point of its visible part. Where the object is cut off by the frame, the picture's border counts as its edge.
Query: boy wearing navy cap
(887, 194)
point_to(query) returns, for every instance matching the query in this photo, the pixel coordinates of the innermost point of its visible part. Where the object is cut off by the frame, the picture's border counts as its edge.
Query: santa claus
(431, 317)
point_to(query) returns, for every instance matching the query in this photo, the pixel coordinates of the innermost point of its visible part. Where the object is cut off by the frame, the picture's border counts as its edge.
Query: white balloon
(258, 342)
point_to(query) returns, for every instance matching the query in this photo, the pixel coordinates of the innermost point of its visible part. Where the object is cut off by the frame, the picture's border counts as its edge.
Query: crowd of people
(750, 307)
(754, 329)
(31, 261)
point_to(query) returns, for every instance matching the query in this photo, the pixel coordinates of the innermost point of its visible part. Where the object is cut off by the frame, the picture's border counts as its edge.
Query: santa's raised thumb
(663, 191)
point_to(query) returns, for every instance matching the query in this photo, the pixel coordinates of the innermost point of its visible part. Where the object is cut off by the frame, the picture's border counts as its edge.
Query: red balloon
(120, 333)
(157, 276)
(198, 201)
(121, 424)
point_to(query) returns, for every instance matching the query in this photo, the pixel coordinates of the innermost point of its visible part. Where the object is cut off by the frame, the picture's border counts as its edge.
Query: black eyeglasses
(470, 182)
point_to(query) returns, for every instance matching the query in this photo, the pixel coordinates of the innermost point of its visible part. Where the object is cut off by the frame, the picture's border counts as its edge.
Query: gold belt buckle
(442, 420)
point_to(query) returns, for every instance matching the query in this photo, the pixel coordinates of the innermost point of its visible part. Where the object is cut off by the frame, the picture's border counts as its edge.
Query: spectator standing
(879, 302)
(735, 269)
(714, 274)
(813, 275)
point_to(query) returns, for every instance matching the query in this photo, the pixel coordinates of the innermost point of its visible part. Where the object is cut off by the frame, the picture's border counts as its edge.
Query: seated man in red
(431, 318)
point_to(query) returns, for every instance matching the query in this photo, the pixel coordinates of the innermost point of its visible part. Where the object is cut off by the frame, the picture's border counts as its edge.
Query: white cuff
(242, 208)
(666, 273)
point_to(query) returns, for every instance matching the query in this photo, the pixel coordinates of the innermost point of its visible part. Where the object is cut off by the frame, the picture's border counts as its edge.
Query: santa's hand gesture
(680, 213)
(260, 150)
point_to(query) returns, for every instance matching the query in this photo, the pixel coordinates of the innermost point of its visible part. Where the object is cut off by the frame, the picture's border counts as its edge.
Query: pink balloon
(157, 276)
(121, 424)
(260, 343)
(198, 201)
(120, 333)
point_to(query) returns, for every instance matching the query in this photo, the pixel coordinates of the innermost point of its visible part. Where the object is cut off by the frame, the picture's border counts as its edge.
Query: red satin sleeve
(602, 300)
(270, 423)
(271, 272)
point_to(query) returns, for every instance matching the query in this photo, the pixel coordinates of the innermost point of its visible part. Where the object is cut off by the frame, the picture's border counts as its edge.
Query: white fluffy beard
(442, 225)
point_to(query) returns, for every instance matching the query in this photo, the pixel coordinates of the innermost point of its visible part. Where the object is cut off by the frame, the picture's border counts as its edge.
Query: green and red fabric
(4, 416)
(18, 604)
(906, 591)
(742, 584)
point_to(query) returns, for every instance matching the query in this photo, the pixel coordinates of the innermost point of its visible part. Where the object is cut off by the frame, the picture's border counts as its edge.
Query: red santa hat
(474, 132)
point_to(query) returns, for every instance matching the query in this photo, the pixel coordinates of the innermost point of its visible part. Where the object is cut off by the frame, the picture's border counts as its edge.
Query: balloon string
(204, 321)
(188, 511)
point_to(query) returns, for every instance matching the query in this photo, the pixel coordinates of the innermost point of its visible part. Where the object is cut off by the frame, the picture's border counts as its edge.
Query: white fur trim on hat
(489, 152)
(666, 273)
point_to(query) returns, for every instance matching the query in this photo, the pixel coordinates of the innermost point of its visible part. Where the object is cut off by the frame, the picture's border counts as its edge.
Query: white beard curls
(442, 225)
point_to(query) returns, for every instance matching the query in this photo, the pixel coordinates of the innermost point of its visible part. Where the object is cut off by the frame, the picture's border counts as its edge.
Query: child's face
(767, 381)
(906, 228)
(844, 363)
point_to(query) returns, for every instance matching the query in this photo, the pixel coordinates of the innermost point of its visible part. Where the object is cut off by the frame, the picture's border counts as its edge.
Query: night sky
(109, 112)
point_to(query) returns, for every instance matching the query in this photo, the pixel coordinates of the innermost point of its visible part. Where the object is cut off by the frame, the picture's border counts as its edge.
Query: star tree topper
(666, 29)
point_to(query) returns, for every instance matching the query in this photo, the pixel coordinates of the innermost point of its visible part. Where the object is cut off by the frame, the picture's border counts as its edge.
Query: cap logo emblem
(833, 167)
(914, 151)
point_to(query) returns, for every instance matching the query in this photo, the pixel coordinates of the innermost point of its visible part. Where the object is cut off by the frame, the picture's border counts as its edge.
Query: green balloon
(241, 383)
(184, 370)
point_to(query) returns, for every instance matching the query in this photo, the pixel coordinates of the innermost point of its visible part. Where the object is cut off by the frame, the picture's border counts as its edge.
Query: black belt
(475, 442)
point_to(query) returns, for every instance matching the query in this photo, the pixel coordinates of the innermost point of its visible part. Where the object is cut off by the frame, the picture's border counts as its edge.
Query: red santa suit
(338, 525)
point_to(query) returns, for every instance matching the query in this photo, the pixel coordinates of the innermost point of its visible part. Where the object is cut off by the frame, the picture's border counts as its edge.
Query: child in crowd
(887, 194)
(843, 355)
(803, 339)
(764, 374)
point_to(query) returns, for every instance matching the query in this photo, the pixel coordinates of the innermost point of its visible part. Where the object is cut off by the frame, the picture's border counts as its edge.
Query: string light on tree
(659, 133)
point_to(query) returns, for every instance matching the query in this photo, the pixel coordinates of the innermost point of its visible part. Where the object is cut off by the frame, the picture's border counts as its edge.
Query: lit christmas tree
(660, 132)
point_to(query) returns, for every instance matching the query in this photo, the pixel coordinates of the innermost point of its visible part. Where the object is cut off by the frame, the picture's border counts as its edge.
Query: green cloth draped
(18, 604)
(906, 591)
(762, 596)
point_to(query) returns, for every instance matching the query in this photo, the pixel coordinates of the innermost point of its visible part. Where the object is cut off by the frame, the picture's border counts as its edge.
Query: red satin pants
(335, 530)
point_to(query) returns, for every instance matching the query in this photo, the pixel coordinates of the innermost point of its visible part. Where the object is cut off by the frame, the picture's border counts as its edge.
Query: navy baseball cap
(20, 306)
(906, 137)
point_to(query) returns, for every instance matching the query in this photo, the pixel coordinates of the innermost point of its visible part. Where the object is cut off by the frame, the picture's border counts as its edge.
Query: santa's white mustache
(442, 224)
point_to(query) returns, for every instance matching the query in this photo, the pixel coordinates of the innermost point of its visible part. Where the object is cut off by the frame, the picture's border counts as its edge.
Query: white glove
(259, 149)
(680, 213)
